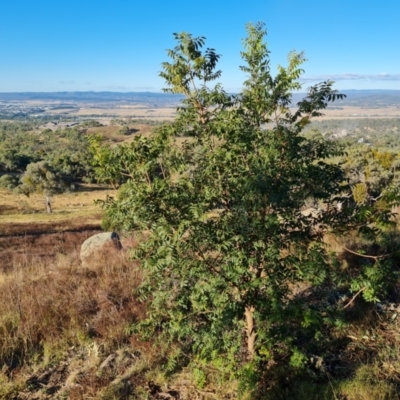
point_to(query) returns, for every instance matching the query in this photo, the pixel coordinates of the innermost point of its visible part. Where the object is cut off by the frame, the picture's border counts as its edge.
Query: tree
(225, 237)
(41, 178)
(8, 181)
(13, 158)
(124, 130)
(111, 165)
(371, 172)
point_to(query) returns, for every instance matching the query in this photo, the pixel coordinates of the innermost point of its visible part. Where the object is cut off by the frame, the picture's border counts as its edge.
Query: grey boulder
(97, 244)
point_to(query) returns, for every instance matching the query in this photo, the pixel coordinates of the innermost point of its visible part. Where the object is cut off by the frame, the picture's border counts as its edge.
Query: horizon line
(159, 92)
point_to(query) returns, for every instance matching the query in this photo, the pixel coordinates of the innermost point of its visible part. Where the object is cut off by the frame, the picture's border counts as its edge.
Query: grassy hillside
(64, 327)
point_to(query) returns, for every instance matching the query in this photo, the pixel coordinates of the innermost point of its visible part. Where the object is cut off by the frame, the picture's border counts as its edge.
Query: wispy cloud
(352, 77)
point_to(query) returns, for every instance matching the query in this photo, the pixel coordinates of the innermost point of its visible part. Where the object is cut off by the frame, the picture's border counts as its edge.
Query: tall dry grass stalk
(60, 303)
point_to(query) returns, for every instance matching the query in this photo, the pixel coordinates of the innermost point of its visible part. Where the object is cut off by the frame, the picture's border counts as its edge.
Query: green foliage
(371, 172)
(116, 165)
(124, 130)
(65, 150)
(367, 384)
(200, 377)
(225, 237)
(375, 271)
(8, 182)
(380, 133)
(360, 193)
(16, 150)
(90, 123)
(41, 178)
(298, 359)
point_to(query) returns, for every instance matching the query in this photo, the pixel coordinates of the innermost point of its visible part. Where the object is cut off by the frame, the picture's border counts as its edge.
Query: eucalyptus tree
(41, 178)
(225, 237)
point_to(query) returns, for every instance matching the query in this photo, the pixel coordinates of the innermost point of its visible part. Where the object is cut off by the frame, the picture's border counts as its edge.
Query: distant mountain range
(361, 98)
(375, 98)
(369, 98)
(135, 97)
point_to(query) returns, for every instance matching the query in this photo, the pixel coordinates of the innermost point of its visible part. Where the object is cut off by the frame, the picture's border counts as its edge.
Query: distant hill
(131, 97)
(372, 98)
(368, 98)
(359, 98)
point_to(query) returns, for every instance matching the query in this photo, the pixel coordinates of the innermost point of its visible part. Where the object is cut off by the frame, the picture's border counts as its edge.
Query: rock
(97, 244)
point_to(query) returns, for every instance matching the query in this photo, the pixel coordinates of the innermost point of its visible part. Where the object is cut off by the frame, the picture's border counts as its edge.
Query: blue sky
(118, 45)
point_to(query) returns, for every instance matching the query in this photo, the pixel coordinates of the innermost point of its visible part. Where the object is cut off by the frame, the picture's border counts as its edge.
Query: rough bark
(48, 205)
(250, 331)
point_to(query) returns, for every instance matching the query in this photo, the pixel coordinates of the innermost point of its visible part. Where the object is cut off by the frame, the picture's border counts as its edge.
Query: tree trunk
(48, 205)
(250, 331)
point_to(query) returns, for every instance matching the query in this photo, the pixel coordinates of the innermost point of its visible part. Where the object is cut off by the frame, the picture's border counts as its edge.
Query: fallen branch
(368, 256)
(354, 297)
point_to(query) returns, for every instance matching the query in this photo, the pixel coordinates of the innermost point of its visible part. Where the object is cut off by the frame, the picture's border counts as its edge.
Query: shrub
(8, 182)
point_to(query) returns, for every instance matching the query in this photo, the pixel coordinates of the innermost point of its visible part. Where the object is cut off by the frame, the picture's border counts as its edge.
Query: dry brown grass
(37, 247)
(350, 112)
(59, 320)
(111, 132)
(29, 235)
(60, 302)
(159, 113)
(69, 209)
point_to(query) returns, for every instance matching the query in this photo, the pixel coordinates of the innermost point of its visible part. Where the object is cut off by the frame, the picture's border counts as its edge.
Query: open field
(168, 113)
(28, 234)
(160, 109)
(69, 209)
(133, 111)
(111, 132)
(347, 112)
(126, 111)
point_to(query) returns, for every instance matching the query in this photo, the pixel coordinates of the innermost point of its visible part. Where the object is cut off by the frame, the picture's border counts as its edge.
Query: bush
(90, 123)
(8, 182)
(124, 131)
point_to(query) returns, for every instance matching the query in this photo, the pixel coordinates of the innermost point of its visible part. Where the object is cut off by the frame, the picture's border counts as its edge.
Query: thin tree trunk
(250, 331)
(48, 205)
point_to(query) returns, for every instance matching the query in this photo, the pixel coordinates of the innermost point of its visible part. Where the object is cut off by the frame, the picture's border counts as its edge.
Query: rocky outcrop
(96, 245)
